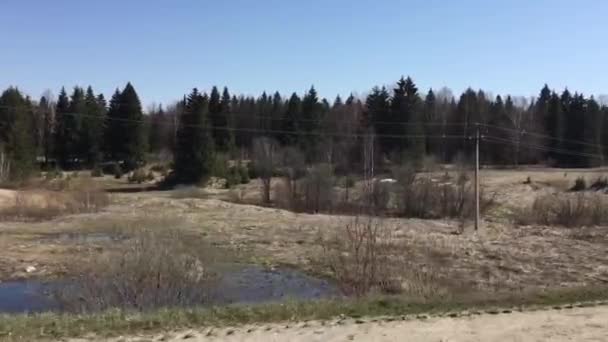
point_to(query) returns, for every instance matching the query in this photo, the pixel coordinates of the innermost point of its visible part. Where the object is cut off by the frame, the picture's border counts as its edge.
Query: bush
(97, 172)
(54, 174)
(601, 183)
(425, 197)
(157, 268)
(358, 256)
(160, 168)
(117, 171)
(567, 210)
(139, 176)
(244, 172)
(579, 184)
(318, 188)
(219, 166)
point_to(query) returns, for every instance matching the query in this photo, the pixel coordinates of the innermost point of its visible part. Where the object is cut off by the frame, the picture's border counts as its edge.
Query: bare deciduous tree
(265, 160)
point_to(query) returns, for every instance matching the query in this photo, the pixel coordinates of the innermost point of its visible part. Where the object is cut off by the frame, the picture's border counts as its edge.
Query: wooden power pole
(477, 138)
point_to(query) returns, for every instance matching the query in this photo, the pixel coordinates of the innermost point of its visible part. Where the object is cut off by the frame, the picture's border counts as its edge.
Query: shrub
(244, 173)
(601, 183)
(117, 171)
(358, 256)
(579, 184)
(160, 168)
(157, 268)
(97, 172)
(219, 166)
(569, 210)
(424, 197)
(318, 188)
(54, 174)
(138, 176)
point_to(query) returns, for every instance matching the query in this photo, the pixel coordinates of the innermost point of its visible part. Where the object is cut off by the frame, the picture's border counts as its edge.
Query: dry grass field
(443, 258)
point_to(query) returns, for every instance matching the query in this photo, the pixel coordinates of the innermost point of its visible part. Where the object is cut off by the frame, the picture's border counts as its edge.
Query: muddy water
(238, 284)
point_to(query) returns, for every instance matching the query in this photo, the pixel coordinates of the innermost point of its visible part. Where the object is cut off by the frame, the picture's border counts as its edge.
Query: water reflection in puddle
(238, 284)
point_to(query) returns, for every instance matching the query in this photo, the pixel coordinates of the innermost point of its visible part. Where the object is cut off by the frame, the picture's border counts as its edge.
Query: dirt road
(578, 324)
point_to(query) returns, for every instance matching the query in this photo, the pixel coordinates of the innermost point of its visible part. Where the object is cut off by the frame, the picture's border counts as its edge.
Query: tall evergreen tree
(93, 120)
(68, 127)
(377, 110)
(16, 135)
(290, 126)
(125, 134)
(194, 150)
(308, 126)
(228, 121)
(219, 121)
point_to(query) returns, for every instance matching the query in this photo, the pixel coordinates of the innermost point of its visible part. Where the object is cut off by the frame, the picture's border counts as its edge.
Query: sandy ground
(579, 324)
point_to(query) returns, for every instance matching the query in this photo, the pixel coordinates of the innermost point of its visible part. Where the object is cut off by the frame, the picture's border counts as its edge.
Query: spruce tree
(290, 128)
(67, 131)
(133, 147)
(308, 126)
(377, 110)
(219, 121)
(194, 150)
(416, 142)
(92, 128)
(17, 135)
(228, 139)
(112, 140)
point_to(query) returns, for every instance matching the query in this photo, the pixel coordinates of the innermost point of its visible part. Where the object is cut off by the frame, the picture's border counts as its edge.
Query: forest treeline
(82, 129)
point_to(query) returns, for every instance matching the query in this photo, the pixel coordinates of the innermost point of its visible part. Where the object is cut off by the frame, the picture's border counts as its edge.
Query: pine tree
(46, 119)
(112, 134)
(431, 119)
(290, 126)
(194, 150)
(125, 136)
(594, 125)
(67, 129)
(219, 121)
(377, 111)
(133, 148)
(93, 121)
(278, 109)
(308, 126)
(228, 119)
(415, 122)
(17, 135)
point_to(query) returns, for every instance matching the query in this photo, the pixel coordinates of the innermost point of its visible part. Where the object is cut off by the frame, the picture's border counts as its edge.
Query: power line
(524, 132)
(258, 130)
(503, 141)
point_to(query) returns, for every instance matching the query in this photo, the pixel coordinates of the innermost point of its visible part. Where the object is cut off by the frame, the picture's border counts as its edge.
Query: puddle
(256, 284)
(79, 238)
(238, 284)
(24, 296)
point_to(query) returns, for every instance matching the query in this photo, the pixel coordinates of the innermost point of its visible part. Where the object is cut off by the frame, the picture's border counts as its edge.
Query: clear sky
(167, 47)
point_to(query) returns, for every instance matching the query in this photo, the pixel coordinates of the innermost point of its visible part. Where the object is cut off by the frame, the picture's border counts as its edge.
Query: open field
(500, 259)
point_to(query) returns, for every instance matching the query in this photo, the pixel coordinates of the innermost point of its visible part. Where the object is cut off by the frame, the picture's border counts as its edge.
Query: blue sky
(167, 47)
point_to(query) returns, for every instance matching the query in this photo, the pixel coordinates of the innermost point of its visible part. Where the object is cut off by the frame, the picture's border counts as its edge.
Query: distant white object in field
(388, 180)
(30, 269)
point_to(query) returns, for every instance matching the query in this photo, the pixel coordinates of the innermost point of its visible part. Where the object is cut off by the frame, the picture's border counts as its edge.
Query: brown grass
(155, 268)
(59, 198)
(569, 210)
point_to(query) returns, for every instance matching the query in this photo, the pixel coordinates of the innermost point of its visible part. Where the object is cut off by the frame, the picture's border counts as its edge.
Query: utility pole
(477, 137)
